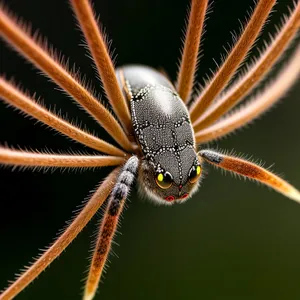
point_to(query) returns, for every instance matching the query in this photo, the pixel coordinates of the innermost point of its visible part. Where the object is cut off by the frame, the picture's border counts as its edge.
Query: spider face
(171, 177)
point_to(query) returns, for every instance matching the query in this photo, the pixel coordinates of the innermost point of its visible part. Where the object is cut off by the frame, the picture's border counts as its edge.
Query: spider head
(171, 177)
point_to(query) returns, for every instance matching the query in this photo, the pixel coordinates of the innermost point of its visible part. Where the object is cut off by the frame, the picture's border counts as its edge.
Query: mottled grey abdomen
(160, 119)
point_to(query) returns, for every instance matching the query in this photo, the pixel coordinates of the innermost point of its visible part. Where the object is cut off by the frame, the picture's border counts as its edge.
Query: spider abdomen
(160, 119)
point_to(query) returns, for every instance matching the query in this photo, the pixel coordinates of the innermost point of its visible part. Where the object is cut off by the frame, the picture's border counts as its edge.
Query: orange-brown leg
(109, 225)
(101, 251)
(255, 73)
(105, 67)
(255, 107)
(232, 62)
(64, 240)
(252, 171)
(40, 160)
(18, 37)
(15, 97)
(190, 53)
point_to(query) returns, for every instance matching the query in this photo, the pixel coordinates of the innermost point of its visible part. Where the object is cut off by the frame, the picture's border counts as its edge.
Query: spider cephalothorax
(158, 126)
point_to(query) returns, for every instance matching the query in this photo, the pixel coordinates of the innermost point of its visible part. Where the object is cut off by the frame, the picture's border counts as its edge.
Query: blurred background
(232, 240)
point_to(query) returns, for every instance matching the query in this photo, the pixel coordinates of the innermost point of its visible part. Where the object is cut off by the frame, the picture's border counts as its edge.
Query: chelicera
(158, 125)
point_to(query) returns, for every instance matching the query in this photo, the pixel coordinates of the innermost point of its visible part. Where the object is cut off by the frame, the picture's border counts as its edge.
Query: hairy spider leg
(19, 38)
(109, 224)
(63, 241)
(252, 171)
(98, 48)
(38, 160)
(233, 60)
(255, 73)
(190, 53)
(257, 105)
(16, 98)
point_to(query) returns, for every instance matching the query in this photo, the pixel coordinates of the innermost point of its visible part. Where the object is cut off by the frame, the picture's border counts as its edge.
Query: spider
(157, 125)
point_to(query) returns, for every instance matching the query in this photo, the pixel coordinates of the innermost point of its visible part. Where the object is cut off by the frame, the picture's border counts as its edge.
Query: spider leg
(252, 171)
(190, 53)
(100, 54)
(109, 225)
(234, 59)
(14, 97)
(64, 239)
(258, 105)
(255, 73)
(18, 37)
(34, 159)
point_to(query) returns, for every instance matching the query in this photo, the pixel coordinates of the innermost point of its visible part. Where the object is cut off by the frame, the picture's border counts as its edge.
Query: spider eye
(194, 174)
(164, 181)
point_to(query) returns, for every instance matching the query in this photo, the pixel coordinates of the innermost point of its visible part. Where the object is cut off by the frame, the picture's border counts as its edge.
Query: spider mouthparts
(170, 198)
(184, 196)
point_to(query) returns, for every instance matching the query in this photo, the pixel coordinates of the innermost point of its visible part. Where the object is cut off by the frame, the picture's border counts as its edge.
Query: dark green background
(233, 240)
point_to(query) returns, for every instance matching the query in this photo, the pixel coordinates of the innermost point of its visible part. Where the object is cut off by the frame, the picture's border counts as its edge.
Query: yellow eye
(164, 181)
(160, 177)
(194, 174)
